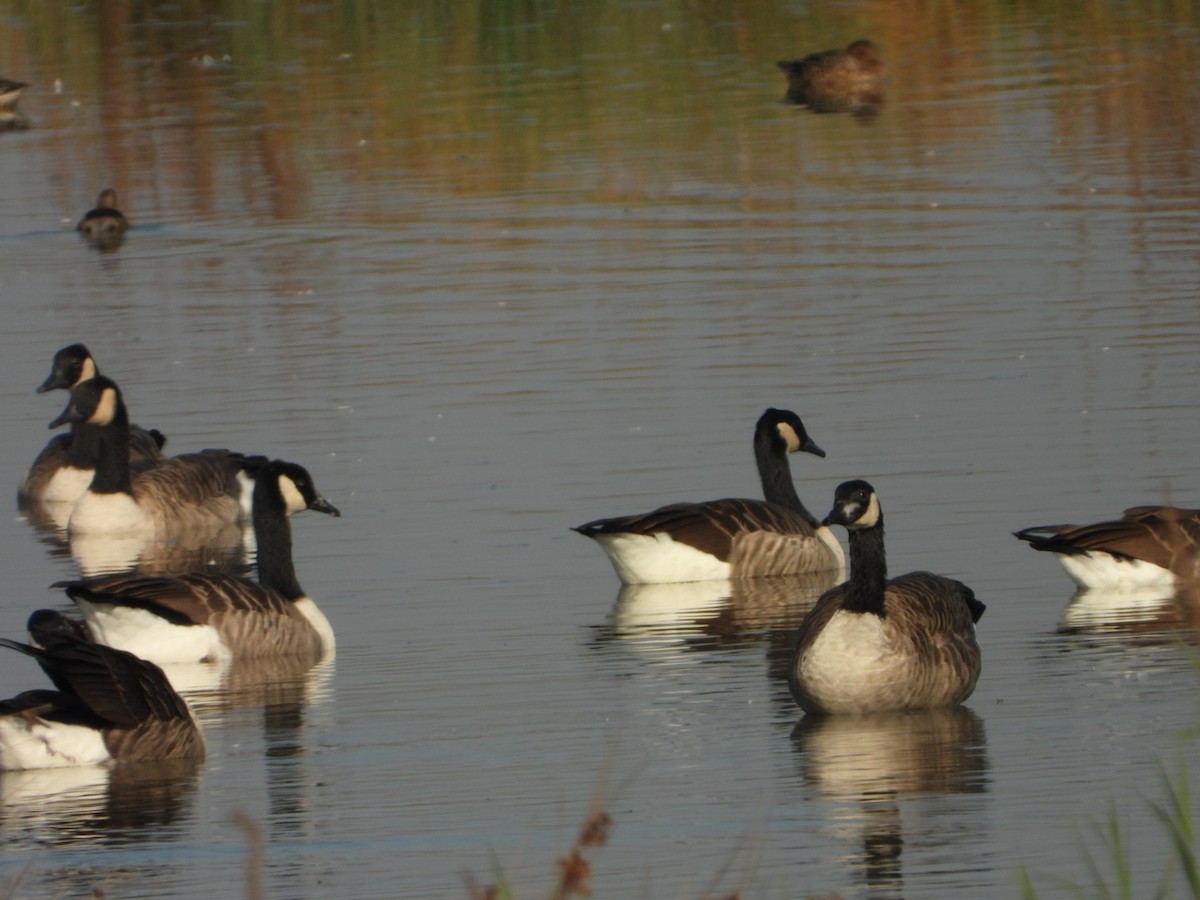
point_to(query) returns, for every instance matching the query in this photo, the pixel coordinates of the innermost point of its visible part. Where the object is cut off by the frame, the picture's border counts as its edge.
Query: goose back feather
(728, 538)
(874, 644)
(107, 706)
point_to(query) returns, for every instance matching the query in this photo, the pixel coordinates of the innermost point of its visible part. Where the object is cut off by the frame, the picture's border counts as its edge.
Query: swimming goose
(63, 470)
(836, 80)
(874, 645)
(194, 492)
(109, 706)
(105, 222)
(215, 617)
(729, 538)
(1148, 547)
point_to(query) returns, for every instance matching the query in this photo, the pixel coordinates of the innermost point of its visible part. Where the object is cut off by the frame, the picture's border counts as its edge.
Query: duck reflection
(875, 761)
(667, 619)
(97, 805)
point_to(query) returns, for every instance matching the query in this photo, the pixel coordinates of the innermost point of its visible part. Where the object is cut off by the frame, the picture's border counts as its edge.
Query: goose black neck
(273, 535)
(110, 452)
(83, 445)
(868, 571)
(776, 475)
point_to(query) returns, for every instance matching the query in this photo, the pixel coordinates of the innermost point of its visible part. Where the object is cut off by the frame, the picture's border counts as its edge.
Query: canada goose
(214, 617)
(63, 470)
(194, 492)
(874, 645)
(105, 223)
(1148, 547)
(109, 705)
(729, 538)
(836, 80)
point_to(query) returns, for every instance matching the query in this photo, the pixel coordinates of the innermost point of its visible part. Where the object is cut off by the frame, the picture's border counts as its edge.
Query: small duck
(105, 223)
(878, 645)
(10, 92)
(10, 118)
(837, 80)
(109, 706)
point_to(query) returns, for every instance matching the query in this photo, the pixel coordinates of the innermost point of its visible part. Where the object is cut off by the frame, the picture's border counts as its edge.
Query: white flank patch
(1104, 571)
(307, 608)
(109, 514)
(151, 637)
(67, 485)
(38, 744)
(659, 559)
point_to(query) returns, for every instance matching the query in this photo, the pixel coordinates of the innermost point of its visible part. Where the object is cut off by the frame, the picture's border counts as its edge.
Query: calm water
(492, 272)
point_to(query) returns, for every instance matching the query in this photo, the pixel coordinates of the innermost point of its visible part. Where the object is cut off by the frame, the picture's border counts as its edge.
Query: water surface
(493, 271)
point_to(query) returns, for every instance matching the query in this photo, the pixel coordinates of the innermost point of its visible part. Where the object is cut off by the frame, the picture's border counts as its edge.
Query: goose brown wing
(145, 446)
(196, 599)
(710, 527)
(191, 478)
(116, 686)
(931, 604)
(251, 619)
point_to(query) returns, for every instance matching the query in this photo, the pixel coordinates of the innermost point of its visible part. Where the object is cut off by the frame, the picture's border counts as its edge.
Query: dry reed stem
(254, 854)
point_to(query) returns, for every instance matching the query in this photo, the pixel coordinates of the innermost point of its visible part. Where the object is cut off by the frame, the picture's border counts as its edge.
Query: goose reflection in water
(666, 619)
(873, 762)
(97, 805)
(99, 554)
(214, 689)
(189, 551)
(1144, 616)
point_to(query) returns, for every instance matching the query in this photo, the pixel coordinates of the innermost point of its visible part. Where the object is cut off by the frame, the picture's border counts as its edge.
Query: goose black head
(71, 365)
(855, 506)
(785, 426)
(295, 486)
(96, 401)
